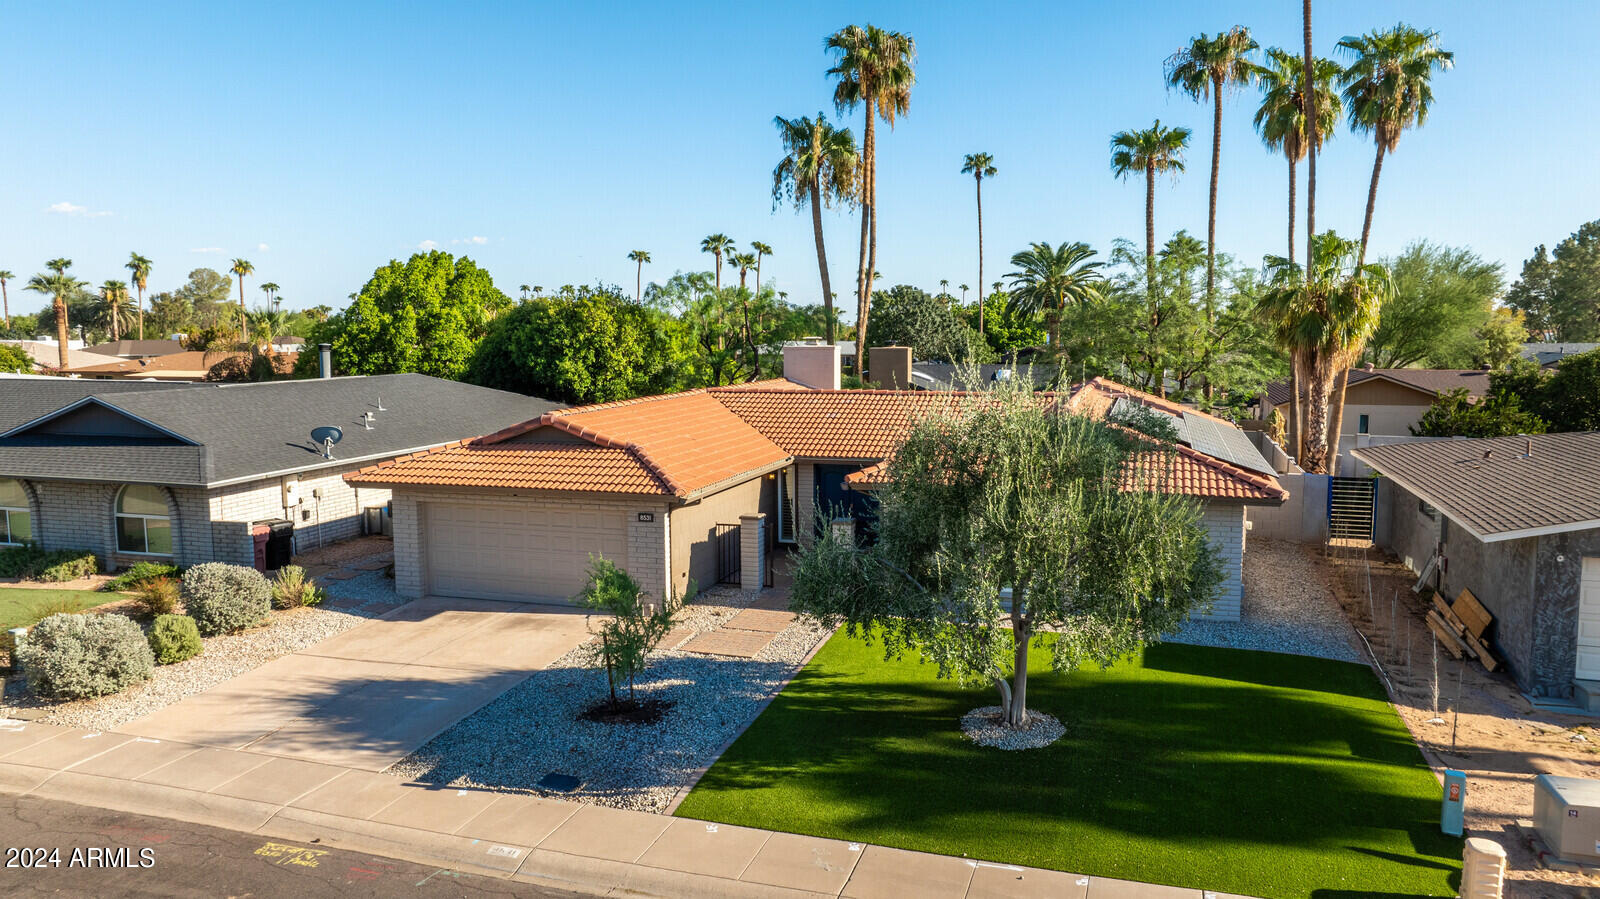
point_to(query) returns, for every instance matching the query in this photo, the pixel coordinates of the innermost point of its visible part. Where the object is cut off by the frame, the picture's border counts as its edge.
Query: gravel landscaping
(350, 603)
(1286, 608)
(534, 729)
(986, 727)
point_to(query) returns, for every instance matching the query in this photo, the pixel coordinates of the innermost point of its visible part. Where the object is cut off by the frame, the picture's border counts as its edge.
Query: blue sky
(548, 140)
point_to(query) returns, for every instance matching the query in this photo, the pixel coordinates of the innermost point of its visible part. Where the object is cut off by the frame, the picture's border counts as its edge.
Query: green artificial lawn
(1247, 772)
(24, 606)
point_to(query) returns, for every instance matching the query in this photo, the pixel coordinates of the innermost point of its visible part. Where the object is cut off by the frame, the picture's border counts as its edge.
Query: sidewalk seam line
(740, 875)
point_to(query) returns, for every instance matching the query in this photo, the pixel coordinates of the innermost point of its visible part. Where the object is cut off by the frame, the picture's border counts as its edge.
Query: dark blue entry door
(835, 500)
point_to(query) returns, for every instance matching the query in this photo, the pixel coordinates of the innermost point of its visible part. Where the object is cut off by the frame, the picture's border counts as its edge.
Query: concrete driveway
(370, 696)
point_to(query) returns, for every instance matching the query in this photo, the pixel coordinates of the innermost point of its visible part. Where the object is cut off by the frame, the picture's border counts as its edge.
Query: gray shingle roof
(1431, 380)
(1511, 492)
(250, 430)
(24, 399)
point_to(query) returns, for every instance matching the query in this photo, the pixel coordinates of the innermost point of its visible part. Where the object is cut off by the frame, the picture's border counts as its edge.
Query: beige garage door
(1589, 620)
(534, 553)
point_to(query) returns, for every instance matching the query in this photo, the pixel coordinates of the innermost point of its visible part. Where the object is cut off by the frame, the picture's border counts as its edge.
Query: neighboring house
(1549, 355)
(46, 355)
(1516, 520)
(136, 349)
(289, 343)
(189, 365)
(184, 472)
(659, 484)
(1381, 405)
(948, 376)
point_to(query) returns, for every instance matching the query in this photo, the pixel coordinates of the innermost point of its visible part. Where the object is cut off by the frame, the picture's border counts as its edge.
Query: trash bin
(372, 520)
(280, 543)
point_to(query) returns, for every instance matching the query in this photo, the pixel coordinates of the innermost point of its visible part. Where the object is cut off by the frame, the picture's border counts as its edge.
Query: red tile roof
(836, 424)
(520, 465)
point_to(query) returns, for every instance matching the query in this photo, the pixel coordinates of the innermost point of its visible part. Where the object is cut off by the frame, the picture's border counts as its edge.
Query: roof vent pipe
(325, 359)
(1527, 452)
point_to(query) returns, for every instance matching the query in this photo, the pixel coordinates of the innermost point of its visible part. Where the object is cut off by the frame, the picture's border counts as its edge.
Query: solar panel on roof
(1224, 442)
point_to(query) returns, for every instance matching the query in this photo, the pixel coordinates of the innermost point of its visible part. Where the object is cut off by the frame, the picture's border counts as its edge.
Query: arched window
(143, 525)
(16, 522)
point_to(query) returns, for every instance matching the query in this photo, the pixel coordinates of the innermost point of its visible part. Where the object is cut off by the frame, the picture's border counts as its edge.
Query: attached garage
(524, 551)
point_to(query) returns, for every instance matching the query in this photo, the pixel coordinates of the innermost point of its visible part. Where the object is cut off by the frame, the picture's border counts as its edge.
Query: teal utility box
(1455, 802)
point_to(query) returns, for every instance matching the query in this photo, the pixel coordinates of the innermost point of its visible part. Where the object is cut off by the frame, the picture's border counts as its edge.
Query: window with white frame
(143, 523)
(16, 521)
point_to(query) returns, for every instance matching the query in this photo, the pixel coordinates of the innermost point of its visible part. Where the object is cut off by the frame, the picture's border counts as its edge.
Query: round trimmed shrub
(76, 656)
(224, 599)
(174, 638)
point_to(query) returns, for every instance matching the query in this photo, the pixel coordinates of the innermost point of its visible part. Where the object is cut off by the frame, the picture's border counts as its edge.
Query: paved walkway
(370, 696)
(526, 838)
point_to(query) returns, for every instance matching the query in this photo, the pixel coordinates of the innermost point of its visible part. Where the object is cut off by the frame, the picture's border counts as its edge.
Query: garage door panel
(518, 552)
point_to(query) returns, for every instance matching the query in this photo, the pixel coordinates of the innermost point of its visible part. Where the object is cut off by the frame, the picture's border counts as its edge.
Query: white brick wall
(1224, 523)
(335, 516)
(80, 515)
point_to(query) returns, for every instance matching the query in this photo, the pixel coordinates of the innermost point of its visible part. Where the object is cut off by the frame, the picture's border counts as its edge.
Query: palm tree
(5, 297)
(242, 267)
(58, 286)
(1207, 68)
(1151, 150)
(525, 288)
(269, 323)
(139, 269)
(717, 245)
(1048, 277)
(875, 69)
(640, 257)
(538, 291)
(761, 250)
(944, 287)
(270, 288)
(1388, 88)
(1322, 315)
(114, 296)
(1313, 114)
(745, 262)
(818, 168)
(979, 166)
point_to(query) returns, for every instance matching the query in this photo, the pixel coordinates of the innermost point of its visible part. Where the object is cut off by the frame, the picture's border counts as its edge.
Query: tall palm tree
(964, 289)
(5, 297)
(1389, 88)
(525, 289)
(139, 270)
(944, 287)
(1046, 278)
(1207, 68)
(1322, 315)
(818, 168)
(875, 69)
(270, 288)
(538, 291)
(979, 166)
(114, 296)
(1151, 150)
(717, 245)
(640, 257)
(242, 267)
(58, 285)
(745, 262)
(1313, 114)
(760, 250)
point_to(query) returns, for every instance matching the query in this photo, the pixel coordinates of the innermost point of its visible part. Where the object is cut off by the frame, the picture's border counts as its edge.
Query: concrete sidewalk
(526, 838)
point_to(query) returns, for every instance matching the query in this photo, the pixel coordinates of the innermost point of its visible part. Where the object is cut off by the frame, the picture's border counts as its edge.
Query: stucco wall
(694, 552)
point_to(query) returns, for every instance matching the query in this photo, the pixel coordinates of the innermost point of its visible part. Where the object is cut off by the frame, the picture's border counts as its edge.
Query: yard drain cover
(559, 783)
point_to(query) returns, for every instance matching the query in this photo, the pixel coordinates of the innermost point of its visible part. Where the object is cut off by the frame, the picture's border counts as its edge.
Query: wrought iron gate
(726, 539)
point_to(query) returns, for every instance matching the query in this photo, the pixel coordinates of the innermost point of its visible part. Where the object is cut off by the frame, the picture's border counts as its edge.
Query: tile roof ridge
(1258, 481)
(650, 465)
(1103, 383)
(631, 401)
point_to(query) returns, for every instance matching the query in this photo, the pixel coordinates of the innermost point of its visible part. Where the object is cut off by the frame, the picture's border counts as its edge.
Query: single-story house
(658, 484)
(1550, 355)
(47, 355)
(1382, 404)
(188, 365)
(135, 349)
(1516, 520)
(139, 470)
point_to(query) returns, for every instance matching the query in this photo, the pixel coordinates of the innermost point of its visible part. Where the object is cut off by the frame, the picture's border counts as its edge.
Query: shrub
(76, 656)
(139, 575)
(160, 596)
(174, 638)
(633, 629)
(225, 598)
(29, 562)
(293, 589)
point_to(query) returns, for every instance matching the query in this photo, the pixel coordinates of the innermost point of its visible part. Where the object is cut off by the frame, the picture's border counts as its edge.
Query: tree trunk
(1016, 708)
(1157, 372)
(638, 283)
(61, 329)
(1292, 426)
(111, 308)
(822, 258)
(1319, 389)
(1311, 138)
(141, 311)
(872, 245)
(863, 271)
(244, 328)
(980, 255)
(1336, 417)
(718, 255)
(1372, 199)
(1211, 235)
(1292, 210)
(6, 299)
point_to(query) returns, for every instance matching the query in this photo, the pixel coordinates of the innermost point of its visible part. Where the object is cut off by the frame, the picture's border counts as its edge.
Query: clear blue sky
(547, 140)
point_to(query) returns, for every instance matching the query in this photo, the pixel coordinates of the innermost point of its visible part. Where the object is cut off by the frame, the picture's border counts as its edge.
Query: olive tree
(1007, 491)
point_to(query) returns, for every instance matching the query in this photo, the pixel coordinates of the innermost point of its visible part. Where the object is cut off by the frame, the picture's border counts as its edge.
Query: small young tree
(1010, 491)
(634, 628)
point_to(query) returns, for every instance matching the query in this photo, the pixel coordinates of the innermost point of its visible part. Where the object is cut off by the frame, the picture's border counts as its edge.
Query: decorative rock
(986, 727)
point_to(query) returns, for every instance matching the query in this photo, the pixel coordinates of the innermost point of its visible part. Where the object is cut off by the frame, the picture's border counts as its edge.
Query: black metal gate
(1350, 505)
(726, 539)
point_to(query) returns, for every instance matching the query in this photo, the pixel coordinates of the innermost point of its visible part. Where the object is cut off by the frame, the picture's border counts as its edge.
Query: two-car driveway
(368, 697)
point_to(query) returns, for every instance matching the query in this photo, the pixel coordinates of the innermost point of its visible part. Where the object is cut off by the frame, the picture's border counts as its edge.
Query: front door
(835, 500)
(1589, 621)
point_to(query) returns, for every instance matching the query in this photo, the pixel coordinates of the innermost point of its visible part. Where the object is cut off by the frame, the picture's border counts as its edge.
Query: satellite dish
(325, 437)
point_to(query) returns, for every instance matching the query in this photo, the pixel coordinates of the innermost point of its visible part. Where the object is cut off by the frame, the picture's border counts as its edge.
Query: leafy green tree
(592, 346)
(1006, 493)
(206, 291)
(1048, 278)
(1442, 296)
(23, 327)
(631, 626)
(1281, 118)
(875, 68)
(170, 314)
(14, 358)
(139, 270)
(1456, 414)
(1008, 329)
(240, 268)
(425, 315)
(979, 166)
(818, 169)
(1560, 292)
(908, 316)
(1499, 339)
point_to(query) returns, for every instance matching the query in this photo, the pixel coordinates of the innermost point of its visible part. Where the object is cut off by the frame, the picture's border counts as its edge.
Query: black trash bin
(280, 543)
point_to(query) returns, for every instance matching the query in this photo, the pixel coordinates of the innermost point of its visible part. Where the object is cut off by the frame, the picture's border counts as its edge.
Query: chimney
(325, 358)
(1368, 367)
(889, 367)
(812, 363)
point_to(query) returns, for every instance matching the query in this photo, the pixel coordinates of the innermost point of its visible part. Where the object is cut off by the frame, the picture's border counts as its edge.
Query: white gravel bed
(224, 658)
(533, 729)
(986, 727)
(1287, 608)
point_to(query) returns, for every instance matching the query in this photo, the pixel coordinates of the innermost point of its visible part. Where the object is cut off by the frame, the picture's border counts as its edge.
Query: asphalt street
(60, 849)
